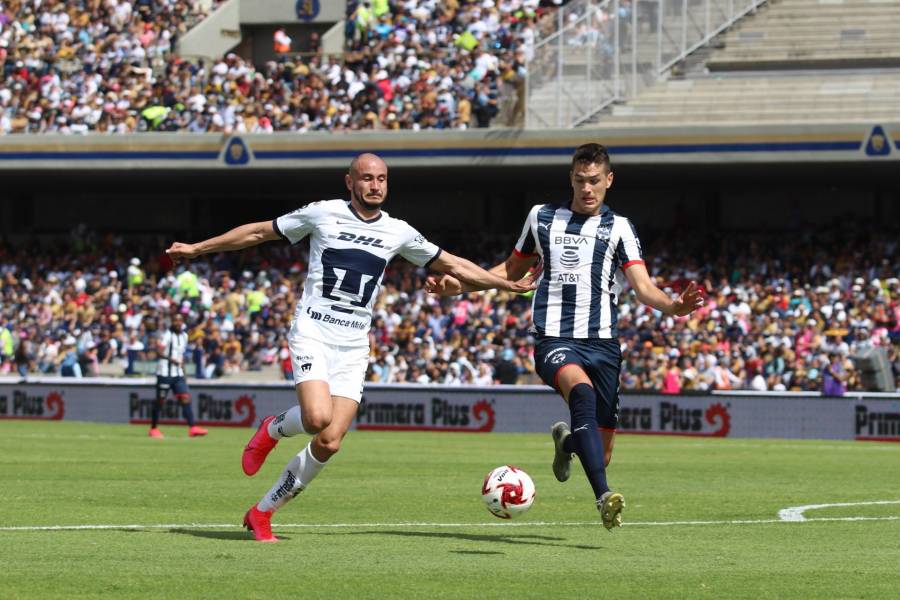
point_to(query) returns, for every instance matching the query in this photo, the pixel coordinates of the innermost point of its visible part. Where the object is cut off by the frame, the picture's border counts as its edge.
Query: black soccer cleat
(562, 460)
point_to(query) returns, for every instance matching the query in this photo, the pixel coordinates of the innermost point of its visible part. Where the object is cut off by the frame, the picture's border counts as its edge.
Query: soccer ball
(508, 492)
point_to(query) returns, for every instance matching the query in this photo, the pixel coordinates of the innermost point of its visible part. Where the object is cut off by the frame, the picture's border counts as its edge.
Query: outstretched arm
(647, 292)
(464, 275)
(238, 238)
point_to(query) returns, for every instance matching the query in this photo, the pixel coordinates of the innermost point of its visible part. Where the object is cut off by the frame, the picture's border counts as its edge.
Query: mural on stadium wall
(307, 10)
(878, 143)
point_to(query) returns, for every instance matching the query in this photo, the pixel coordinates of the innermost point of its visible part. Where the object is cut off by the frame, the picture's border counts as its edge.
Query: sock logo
(285, 489)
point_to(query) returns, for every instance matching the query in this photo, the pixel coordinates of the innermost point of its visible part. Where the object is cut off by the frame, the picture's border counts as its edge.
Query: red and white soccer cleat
(260, 523)
(156, 433)
(258, 448)
(197, 431)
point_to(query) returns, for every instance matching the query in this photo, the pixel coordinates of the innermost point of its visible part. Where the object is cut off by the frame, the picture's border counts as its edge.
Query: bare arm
(647, 292)
(238, 238)
(513, 268)
(470, 277)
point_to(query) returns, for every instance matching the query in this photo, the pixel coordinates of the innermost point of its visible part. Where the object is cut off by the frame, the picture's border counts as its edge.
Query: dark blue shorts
(600, 359)
(178, 386)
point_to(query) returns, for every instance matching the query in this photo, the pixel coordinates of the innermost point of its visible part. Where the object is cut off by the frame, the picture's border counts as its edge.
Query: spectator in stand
(833, 377)
(281, 41)
(110, 68)
(68, 359)
(776, 323)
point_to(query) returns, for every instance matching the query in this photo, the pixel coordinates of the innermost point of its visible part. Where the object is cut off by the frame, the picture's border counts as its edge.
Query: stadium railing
(601, 52)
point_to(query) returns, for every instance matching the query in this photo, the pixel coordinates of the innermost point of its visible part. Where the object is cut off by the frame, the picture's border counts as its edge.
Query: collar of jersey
(603, 210)
(358, 216)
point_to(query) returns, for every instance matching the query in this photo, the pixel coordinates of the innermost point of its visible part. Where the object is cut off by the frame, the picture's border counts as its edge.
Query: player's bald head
(365, 162)
(367, 181)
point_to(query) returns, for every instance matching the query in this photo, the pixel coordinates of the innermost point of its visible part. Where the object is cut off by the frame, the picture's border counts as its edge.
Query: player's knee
(330, 445)
(315, 421)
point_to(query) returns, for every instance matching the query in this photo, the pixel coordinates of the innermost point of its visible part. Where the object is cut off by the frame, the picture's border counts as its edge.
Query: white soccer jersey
(584, 261)
(347, 259)
(173, 346)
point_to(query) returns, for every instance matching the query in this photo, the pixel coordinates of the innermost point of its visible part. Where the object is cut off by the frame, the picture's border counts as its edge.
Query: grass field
(400, 515)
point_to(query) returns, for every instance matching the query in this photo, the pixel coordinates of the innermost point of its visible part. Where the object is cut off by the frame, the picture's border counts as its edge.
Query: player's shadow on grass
(536, 540)
(235, 536)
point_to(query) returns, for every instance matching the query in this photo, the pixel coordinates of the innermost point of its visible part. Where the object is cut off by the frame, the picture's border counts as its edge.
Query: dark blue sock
(587, 441)
(154, 414)
(188, 411)
(569, 444)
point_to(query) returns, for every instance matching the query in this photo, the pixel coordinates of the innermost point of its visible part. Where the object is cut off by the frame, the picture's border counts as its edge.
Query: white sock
(302, 469)
(287, 424)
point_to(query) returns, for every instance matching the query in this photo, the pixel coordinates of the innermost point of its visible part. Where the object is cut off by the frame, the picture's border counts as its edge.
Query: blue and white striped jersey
(171, 345)
(584, 261)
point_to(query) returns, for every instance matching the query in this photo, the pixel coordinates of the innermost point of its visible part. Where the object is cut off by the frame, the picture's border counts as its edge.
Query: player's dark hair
(592, 153)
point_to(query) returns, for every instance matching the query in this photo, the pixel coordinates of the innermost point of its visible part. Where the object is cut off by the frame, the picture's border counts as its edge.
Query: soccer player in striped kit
(586, 252)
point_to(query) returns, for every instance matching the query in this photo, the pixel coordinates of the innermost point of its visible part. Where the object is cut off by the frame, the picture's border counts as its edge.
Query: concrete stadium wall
(283, 12)
(870, 417)
(488, 148)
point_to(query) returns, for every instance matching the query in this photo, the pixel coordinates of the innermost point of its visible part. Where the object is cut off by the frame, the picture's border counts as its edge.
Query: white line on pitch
(431, 525)
(795, 513)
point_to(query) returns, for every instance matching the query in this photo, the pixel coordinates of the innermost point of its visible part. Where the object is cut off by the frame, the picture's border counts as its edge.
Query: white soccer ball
(508, 492)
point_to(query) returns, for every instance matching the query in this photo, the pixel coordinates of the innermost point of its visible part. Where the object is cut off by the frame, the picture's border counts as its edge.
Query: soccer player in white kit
(350, 246)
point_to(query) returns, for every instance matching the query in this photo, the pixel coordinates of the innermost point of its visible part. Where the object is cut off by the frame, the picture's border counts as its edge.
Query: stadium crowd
(109, 66)
(92, 306)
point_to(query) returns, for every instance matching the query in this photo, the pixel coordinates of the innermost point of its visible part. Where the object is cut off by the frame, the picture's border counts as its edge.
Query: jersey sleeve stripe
(521, 254)
(433, 258)
(278, 230)
(631, 263)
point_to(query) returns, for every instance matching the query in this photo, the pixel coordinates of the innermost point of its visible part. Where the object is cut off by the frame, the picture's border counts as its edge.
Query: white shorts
(343, 368)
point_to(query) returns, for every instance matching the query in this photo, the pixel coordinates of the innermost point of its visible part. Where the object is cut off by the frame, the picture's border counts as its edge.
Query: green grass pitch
(399, 515)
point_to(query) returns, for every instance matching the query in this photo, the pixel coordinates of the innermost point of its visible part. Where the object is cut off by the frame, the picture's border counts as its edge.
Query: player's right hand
(180, 250)
(523, 285)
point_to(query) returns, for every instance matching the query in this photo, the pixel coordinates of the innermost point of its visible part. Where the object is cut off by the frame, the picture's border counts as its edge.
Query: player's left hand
(690, 300)
(445, 285)
(180, 250)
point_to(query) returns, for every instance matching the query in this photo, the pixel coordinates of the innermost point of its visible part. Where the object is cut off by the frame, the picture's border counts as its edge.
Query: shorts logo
(305, 367)
(557, 356)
